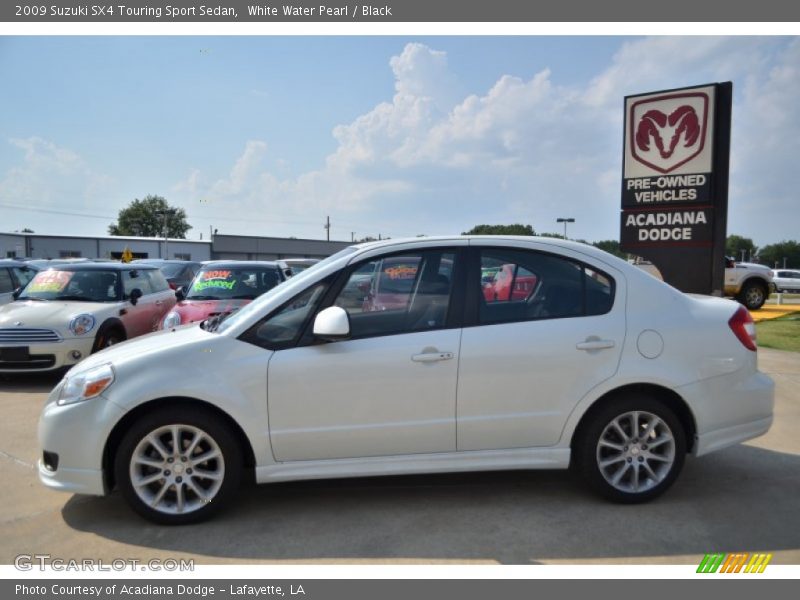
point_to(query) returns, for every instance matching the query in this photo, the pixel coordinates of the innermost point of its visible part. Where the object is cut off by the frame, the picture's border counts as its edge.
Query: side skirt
(444, 462)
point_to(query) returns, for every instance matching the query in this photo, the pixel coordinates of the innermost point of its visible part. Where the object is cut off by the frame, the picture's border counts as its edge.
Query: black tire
(107, 337)
(753, 295)
(197, 508)
(588, 452)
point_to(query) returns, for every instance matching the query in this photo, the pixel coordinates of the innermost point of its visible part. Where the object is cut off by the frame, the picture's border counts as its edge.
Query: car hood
(199, 310)
(51, 314)
(147, 344)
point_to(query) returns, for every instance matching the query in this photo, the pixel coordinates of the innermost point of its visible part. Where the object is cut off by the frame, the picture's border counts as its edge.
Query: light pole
(166, 213)
(565, 221)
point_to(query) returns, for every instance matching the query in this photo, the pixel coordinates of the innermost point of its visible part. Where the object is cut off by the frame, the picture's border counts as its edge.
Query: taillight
(172, 285)
(744, 328)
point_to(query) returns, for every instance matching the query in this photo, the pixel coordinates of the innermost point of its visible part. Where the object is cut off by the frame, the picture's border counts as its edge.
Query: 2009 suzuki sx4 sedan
(420, 356)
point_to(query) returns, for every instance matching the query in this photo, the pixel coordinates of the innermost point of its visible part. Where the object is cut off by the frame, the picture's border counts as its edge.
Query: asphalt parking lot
(743, 498)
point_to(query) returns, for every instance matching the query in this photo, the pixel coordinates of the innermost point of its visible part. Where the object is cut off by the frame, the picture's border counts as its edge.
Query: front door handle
(432, 356)
(595, 344)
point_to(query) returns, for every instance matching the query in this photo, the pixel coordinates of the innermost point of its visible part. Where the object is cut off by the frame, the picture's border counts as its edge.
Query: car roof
(487, 239)
(163, 261)
(13, 262)
(107, 266)
(232, 264)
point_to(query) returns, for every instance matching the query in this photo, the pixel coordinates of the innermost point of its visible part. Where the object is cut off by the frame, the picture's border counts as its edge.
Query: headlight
(172, 319)
(81, 324)
(86, 385)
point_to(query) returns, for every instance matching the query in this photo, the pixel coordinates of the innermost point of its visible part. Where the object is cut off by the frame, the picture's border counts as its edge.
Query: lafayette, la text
(150, 589)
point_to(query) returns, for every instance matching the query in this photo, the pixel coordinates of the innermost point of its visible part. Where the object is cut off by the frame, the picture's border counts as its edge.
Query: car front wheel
(631, 450)
(178, 466)
(753, 295)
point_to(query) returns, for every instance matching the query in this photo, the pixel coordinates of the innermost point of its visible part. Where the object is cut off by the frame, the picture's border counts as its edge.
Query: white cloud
(50, 175)
(434, 159)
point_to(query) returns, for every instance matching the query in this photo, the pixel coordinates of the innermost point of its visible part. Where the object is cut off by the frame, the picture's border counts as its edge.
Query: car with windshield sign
(221, 287)
(598, 366)
(68, 312)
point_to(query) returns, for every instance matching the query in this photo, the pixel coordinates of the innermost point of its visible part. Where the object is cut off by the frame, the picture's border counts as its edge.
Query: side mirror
(15, 294)
(332, 324)
(136, 293)
(180, 293)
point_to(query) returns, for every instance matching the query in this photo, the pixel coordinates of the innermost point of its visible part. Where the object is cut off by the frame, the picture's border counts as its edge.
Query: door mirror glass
(332, 324)
(136, 293)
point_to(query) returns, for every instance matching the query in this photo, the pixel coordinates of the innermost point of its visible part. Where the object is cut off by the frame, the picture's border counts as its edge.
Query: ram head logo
(664, 136)
(681, 122)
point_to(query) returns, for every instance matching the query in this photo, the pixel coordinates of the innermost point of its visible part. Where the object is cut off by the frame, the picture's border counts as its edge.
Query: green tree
(558, 236)
(145, 218)
(735, 244)
(515, 229)
(612, 247)
(774, 254)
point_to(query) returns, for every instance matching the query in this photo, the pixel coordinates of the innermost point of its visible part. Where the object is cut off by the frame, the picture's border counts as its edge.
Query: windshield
(229, 283)
(83, 286)
(256, 307)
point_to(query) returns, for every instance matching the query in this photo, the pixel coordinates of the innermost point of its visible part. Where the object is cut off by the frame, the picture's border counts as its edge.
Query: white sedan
(419, 356)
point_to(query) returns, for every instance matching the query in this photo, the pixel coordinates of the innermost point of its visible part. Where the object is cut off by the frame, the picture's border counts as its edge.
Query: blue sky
(391, 135)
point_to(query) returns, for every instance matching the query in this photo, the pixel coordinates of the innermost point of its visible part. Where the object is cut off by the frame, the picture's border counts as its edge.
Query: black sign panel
(675, 183)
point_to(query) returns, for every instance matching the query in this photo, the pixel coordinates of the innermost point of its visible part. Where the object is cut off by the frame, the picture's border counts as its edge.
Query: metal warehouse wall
(238, 247)
(12, 245)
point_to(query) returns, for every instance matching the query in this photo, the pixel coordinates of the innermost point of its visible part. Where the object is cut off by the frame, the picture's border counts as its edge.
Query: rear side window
(518, 285)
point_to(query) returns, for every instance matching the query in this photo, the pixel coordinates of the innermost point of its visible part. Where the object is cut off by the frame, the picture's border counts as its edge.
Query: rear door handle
(595, 344)
(432, 356)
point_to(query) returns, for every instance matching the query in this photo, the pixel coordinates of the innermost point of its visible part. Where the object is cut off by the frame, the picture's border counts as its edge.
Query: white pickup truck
(749, 283)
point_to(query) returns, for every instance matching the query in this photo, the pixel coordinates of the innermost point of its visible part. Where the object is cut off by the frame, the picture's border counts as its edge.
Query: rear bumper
(730, 409)
(722, 438)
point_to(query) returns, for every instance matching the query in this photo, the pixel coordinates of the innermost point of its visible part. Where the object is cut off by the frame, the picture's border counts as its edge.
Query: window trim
(474, 294)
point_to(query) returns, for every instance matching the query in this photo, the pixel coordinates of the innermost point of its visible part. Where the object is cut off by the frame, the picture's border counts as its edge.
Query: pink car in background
(222, 287)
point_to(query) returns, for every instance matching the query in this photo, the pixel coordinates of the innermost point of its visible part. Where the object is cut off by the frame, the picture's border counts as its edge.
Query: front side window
(136, 279)
(24, 275)
(156, 280)
(398, 294)
(519, 285)
(283, 327)
(6, 285)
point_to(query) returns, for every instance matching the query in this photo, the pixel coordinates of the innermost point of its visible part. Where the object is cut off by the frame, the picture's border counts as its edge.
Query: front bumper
(50, 356)
(77, 434)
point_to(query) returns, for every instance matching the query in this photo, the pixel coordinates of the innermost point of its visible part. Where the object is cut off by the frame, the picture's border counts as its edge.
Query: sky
(397, 136)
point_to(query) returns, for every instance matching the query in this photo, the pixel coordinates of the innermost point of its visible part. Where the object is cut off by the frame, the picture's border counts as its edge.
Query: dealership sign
(674, 188)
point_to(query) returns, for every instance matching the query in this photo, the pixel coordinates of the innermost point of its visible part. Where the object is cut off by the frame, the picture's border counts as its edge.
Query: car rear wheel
(632, 449)
(178, 466)
(753, 295)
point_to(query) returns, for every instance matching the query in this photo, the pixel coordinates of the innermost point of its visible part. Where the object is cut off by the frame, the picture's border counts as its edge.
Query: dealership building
(220, 247)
